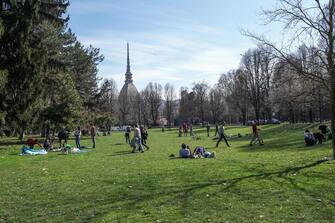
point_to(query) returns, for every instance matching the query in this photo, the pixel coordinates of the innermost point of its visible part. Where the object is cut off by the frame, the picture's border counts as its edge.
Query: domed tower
(129, 98)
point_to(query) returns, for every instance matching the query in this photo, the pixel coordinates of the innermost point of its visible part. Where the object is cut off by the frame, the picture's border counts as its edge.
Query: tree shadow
(131, 199)
(119, 144)
(122, 153)
(11, 143)
(186, 192)
(279, 145)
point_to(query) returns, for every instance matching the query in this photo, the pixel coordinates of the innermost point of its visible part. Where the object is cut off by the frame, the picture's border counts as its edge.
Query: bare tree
(170, 97)
(234, 84)
(310, 23)
(186, 105)
(153, 97)
(257, 70)
(216, 103)
(201, 96)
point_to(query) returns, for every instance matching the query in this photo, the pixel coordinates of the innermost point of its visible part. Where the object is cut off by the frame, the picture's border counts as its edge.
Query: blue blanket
(33, 152)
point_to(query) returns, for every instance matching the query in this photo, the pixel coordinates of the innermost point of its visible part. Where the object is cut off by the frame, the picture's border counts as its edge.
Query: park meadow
(282, 181)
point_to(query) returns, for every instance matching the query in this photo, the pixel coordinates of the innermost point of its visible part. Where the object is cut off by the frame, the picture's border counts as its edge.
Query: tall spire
(128, 60)
(129, 75)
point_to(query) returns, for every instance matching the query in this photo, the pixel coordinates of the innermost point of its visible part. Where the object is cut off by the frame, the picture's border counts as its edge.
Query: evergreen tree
(24, 55)
(82, 65)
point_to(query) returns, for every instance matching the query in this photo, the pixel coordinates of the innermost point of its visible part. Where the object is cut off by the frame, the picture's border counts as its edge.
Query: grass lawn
(283, 181)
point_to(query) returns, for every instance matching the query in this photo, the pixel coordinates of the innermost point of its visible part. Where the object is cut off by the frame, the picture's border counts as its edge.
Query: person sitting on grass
(309, 138)
(185, 151)
(31, 142)
(47, 144)
(319, 137)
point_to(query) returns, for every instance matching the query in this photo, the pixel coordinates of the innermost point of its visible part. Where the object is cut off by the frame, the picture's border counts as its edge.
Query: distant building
(129, 99)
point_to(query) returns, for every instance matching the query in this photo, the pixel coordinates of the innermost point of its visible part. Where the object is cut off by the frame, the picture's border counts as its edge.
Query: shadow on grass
(119, 144)
(121, 153)
(135, 199)
(131, 199)
(11, 143)
(280, 145)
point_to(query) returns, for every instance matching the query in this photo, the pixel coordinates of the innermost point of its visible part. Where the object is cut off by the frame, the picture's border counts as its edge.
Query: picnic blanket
(32, 152)
(76, 151)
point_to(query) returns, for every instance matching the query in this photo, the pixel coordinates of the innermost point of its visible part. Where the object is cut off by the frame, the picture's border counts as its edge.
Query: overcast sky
(175, 41)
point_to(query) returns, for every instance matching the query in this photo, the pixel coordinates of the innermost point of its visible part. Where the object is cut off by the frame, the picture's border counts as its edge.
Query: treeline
(48, 79)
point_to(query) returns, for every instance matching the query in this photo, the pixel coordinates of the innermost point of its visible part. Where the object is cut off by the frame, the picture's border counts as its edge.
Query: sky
(171, 41)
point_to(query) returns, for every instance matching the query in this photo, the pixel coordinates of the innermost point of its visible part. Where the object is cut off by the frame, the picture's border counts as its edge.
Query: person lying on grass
(200, 152)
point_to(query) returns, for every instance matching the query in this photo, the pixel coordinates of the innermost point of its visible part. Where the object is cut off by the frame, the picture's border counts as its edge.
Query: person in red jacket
(256, 136)
(31, 142)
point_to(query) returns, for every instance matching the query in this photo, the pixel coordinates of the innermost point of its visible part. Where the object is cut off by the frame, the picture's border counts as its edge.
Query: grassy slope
(283, 181)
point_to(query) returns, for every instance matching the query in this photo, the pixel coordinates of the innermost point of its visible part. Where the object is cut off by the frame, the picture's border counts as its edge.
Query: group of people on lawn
(220, 132)
(318, 137)
(140, 138)
(63, 136)
(200, 152)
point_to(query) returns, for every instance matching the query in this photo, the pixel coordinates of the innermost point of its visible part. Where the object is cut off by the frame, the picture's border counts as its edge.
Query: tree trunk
(333, 111)
(244, 117)
(21, 133)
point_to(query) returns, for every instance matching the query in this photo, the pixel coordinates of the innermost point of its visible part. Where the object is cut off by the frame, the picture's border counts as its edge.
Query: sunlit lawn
(283, 181)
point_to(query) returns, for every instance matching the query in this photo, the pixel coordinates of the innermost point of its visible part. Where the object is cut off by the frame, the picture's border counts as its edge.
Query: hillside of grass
(282, 181)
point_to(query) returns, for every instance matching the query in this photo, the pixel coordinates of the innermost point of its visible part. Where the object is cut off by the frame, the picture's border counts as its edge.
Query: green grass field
(283, 181)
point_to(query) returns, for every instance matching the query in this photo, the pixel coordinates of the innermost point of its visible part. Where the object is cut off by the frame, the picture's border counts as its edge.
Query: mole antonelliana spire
(128, 97)
(129, 75)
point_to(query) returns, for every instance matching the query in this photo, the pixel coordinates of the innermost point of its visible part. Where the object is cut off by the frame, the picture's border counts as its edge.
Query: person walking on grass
(216, 129)
(144, 134)
(180, 131)
(93, 133)
(77, 135)
(221, 135)
(191, 129)
(127, 134)
(208, 128)
(256, 136)
(138, 139)
(185, 127)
